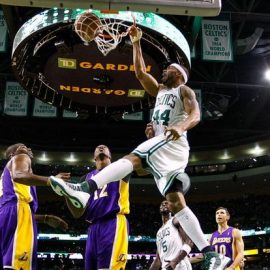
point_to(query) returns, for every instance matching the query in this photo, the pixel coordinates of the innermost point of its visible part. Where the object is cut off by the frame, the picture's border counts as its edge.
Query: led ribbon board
(53, 64)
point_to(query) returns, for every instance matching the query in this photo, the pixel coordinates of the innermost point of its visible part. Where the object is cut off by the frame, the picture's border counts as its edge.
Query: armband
(186, 248)
(48, 182)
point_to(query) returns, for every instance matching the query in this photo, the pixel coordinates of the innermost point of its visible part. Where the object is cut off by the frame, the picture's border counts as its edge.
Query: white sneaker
(78, 198)
(215, 261)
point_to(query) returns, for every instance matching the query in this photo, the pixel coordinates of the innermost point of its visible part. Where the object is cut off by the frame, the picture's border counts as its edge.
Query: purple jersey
(18, 230)
(107, 201)
(12, 192)
(223, 242)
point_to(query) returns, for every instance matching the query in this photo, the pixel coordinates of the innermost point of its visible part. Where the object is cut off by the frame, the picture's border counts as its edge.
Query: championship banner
(137, 116)
(16, 100)
(3, 32)
(42, 109)
(69, 114)
(216, 40)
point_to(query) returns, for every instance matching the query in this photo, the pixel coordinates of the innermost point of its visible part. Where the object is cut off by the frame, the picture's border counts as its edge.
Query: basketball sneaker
(74, 192)
(215, 261)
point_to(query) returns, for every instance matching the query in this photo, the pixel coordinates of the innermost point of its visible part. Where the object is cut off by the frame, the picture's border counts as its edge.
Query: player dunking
(165, 155)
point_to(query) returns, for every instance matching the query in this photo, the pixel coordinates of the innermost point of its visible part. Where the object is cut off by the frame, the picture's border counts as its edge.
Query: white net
(111, 35)
(87, 26)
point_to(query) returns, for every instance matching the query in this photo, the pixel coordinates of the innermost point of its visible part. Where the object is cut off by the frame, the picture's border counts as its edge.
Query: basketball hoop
(112, 33)
(106, 32)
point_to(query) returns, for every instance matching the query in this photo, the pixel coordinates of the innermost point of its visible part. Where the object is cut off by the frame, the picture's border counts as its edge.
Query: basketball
(87, 26)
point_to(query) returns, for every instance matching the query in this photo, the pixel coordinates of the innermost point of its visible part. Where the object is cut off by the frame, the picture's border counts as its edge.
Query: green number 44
(163, 117)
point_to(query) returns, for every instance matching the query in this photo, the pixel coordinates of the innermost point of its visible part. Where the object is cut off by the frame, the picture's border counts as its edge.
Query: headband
(180, 69)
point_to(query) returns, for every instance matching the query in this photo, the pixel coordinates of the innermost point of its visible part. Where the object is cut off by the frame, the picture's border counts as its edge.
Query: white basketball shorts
(164, 159)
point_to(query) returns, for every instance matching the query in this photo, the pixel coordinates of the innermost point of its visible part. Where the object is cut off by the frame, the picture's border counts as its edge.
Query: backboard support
(206, 8)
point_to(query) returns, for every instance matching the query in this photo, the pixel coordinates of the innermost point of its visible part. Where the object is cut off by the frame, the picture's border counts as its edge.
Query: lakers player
(173, 245)
(107, 241)
(228, 240)
(165, 155)
(18, 204)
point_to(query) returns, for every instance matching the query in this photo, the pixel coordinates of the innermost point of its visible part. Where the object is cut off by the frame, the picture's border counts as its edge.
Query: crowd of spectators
(247, 212)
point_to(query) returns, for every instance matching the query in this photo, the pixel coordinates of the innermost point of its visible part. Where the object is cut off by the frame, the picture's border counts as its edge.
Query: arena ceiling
(235, 95)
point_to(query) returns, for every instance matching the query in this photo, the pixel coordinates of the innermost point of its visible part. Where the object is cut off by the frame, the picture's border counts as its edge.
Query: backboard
(174, 7)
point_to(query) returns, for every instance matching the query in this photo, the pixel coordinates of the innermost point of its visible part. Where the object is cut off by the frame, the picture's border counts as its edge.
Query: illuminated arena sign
(53, 64)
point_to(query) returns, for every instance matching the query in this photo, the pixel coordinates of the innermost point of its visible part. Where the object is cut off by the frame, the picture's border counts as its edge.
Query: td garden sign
(52, 63)
(88, 78)
(67, 63)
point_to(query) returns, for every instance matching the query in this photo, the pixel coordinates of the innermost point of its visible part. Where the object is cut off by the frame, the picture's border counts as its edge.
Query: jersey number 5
(164, 246)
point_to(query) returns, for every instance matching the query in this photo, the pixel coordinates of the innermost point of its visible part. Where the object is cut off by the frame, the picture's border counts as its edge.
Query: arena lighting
(43, 157)
(267, 74)
(193, 158)
(71, 158)
(257, 150)
(225, 155)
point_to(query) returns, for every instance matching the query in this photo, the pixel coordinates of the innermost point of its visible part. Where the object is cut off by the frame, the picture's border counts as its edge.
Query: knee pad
(185, 180)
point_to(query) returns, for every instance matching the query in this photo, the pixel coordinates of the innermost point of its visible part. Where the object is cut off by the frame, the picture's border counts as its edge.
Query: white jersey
(169, 109)
(169, 244)
(166, 159)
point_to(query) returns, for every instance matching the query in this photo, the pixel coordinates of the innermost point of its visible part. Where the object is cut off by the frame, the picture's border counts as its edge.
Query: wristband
(137, 37)
(186, 248)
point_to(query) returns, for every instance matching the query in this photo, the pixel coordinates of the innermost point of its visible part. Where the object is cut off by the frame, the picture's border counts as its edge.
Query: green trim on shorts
(169, 183)
(147, 154)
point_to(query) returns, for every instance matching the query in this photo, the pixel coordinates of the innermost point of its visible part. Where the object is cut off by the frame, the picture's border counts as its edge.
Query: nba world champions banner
(42, 109)
(69, 114)
(3, 32)
(217, 41)
(16, 100)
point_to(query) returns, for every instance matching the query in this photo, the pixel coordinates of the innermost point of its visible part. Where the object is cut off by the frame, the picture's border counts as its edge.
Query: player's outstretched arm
(52, 221)
(148, 82)
(21, 172)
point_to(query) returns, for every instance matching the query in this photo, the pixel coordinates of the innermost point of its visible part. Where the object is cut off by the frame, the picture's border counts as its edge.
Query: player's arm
(191, 108)
(186, 248)
(156, 264)
(21, 172)
(148, 82)
(239, 249)
(52, 221)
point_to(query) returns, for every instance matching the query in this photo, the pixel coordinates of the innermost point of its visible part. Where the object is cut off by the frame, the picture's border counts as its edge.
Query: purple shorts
(107, 244)
(18, 234)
